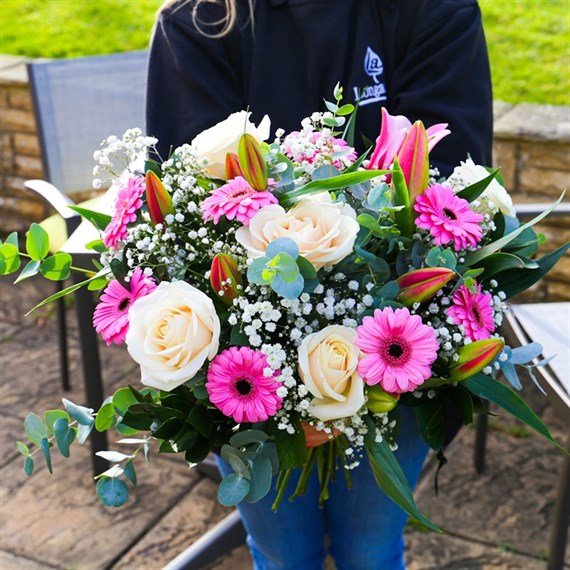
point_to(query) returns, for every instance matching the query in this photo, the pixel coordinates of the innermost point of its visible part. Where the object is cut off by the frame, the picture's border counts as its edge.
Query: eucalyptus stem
(80, 269)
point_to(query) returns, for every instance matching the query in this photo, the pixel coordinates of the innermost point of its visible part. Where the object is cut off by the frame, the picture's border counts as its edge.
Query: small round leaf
(232, 490)
(112, 492)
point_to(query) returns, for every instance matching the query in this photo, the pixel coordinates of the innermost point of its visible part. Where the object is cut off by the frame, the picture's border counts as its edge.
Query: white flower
(214, 143)
(469, 173)
(172, 331)
(327, 366)
(324, 232)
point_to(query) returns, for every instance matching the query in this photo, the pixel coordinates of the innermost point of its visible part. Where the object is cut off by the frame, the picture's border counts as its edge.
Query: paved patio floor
(500, 520)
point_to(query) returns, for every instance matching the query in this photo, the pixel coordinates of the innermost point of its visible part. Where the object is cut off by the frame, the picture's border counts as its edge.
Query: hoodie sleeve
(194, 81)
(442, 75)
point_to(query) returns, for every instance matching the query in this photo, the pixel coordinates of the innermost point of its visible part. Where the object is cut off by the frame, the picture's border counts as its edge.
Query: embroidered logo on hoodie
(373, 67)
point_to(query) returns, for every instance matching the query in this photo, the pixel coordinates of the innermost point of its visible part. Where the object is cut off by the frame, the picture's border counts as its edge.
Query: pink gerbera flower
(448, 217)
(474, 311)
(238, 386)
(127, 204)
(236, 199)
(399, 350)
(110, 317)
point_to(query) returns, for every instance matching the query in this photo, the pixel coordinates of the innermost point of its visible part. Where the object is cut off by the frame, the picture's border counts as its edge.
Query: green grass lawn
(528, 39)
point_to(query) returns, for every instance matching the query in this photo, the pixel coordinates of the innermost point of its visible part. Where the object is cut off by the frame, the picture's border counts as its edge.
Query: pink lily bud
(232, 166)
(158, 200)
(225, 278)
(420, 285)
(251, 162)
(380, 401)
(474, 357)
(414, 160)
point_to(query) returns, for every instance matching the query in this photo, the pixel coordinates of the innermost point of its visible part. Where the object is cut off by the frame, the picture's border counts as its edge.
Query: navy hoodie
(425, 59)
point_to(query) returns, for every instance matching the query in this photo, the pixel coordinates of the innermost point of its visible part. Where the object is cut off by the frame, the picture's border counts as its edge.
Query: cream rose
(494, 197)
(214, 143)
(324, 231)
(327, 366)
(172, 331)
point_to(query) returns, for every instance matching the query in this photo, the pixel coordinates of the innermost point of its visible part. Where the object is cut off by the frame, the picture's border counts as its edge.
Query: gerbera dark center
(477, 314)
(124, 304)
(243, 386)
(238, 193)
(449, 214)
(395, 351)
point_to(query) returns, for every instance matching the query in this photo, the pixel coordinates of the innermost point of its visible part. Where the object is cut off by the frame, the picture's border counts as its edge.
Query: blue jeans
(364, 526)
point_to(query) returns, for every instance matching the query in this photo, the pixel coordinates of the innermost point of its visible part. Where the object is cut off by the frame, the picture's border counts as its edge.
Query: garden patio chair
(77, 103)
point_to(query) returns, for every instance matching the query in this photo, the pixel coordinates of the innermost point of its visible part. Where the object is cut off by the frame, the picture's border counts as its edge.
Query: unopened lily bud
(251, 162)
(420, 285)
(474, 357)
(232, 166)
(158, 200)
(414, 160)
(225, 277)
(380, 401)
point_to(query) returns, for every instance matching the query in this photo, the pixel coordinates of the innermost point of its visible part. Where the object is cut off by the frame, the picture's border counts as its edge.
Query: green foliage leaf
(45, 447)
(291, 448)
(112, 492)
(122, 399)
(247, 437)
(99, 220)
(306, 268)
(390, 477)
(106, 418)
(260, 480)
(37, 242)
(232, 490)
(9, 258)
(439, 257)
(12, 238)
(475, 190)
(200, 419)
(35, 428)
(31, 268)
(23, 449)
(429, 416)
(130, 473)
(64, 436)
(83, 432)
(56, 267)
(490, 389)
(198, 452)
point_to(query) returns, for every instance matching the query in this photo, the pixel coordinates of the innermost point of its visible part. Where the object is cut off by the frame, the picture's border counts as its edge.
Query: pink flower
(238, 386)
(306, 147)
(393, 132)
(448, 217)
(236, 199)
(110, 317)
(399, 350)
(127, 204)
(473, 311)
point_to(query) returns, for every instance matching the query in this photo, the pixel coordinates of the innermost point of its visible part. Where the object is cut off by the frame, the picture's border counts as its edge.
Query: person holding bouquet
(417, 58)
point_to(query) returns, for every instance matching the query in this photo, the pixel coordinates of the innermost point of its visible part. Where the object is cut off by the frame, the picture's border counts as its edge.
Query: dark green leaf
(200, 419)
(112, 492)
(291, 448)
(430, 419)
(35, 428)
(232, 490)
(498, 262)
(463, 401)
(99, 220)
(306, 268)
(138, 420)
(45, 447)
(490, 389)
(473, 192)
(37, 242)
(198, 452)
(390, 477)
(516, 281)
(185, 439)
(168, 429)
(31, 268)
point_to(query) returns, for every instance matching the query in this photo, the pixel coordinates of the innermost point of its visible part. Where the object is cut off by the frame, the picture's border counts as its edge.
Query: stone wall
(532, 146)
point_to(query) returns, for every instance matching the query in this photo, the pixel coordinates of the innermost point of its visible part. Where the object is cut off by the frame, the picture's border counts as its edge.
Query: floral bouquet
(285, 299)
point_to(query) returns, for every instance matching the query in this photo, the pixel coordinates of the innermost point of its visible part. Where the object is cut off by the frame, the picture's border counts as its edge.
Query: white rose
(324, 232)
(494, 197)
(328, 362)
(214, 143)
(172, 331)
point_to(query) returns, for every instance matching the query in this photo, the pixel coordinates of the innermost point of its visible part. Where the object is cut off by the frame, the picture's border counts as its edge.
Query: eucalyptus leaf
(64, 436)
(23, 448)
(56, 267)
(112, 456)
(112, 492)
(79, 413)
(130, 473)
(260, 482)
(232, 490)
(83, 432)
(106, 418)
(30, 269)
(248, 437)
(9, 258)
(29, 466)
(45, 448)
(35, 428)
(51, 416)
